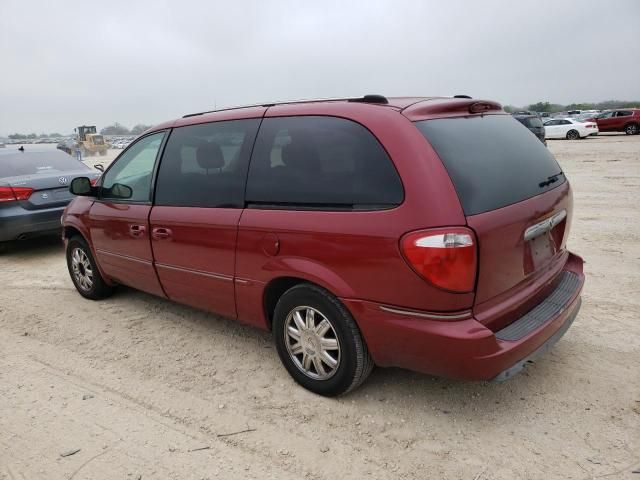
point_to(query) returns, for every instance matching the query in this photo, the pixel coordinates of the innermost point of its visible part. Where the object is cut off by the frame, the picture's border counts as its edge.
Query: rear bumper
(17, 222)
(464, 349)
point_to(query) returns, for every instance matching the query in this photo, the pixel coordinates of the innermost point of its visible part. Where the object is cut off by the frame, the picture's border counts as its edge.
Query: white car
(569, 128)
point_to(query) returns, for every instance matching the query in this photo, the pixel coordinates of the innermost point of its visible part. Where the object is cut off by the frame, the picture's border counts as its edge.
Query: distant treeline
(115, 129)
(556, 107)
(33, 136)
(119, 129)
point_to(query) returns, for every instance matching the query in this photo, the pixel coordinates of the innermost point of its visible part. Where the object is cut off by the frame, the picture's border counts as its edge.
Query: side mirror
(81, 186)
(99, 166)
(118, 190)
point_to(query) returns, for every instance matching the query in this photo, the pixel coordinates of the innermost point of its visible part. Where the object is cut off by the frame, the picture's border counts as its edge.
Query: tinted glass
(534, 122)
(492, 161)
(321, 162)
(16, 163)
(206, 165)
(133, 169)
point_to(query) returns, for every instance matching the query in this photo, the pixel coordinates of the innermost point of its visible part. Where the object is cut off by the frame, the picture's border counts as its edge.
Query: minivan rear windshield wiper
(550, 180)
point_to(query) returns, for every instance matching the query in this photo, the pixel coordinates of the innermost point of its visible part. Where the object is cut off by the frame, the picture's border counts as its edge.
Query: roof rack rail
(379, 99)
(461, 96)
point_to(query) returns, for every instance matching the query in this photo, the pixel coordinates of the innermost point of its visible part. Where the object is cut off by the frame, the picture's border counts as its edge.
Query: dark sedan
(533, 123)
(34, 189)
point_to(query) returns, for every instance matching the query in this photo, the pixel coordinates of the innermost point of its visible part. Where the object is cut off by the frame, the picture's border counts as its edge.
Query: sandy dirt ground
(144, 388)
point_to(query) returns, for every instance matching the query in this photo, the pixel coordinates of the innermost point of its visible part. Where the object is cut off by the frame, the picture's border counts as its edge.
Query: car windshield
(13, 164)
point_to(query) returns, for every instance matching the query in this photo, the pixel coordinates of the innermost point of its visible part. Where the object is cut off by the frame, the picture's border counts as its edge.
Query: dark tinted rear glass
(206, 165)
(13, 164)
(534, 122)
(492, 161)
(321, 162)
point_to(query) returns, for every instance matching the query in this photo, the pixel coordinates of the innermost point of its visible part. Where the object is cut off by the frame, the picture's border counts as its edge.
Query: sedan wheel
(573, 135)
(631, 129)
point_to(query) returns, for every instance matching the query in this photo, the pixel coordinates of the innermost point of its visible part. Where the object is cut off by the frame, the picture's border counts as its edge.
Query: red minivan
(422, 233)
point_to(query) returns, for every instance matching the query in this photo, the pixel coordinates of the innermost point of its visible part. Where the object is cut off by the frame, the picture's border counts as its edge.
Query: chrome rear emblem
(45, 196)
(63, 180)
(544, 226)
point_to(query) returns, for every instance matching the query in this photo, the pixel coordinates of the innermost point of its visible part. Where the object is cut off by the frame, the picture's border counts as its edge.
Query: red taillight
(446, 257)
(22, 193)
(12, 194)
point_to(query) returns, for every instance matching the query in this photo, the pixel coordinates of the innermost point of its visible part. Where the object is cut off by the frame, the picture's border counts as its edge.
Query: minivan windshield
(492, 161)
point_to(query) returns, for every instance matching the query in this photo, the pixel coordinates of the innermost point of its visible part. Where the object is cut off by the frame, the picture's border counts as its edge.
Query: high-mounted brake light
(445, 257)
(12, 194)
(479, 107)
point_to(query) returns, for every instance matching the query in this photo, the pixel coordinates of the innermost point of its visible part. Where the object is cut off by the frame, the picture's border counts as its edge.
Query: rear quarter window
(492, 161)
(320, 162)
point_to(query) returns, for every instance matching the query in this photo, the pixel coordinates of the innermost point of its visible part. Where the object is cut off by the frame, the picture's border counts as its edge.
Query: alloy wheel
(82, 270)
(312, 343)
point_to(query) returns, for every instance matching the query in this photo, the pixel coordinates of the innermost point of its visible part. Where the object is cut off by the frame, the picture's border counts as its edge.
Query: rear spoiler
(450, 107)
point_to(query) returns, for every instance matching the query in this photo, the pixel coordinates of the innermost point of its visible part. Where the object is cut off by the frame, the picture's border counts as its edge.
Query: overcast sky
(68, 63)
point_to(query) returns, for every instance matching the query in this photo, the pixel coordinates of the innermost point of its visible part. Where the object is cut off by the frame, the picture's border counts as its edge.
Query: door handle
(160, 233)
(137, 230)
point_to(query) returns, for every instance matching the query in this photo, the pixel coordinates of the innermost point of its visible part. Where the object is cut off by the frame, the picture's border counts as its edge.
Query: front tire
(631, 129)
(573, 135)
(319, 342)
(84, 271)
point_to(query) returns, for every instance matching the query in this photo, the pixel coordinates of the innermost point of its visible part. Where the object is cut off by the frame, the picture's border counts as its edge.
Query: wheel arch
(276, 287)
(72, 230)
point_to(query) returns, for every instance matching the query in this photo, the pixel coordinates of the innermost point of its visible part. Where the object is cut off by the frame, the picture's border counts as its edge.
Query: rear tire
(573, 135)
(631, 129)
(84, 271)
(319, 342)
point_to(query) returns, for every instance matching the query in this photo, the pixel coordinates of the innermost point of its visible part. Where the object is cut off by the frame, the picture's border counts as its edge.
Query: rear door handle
(160, 233)
(137, 230)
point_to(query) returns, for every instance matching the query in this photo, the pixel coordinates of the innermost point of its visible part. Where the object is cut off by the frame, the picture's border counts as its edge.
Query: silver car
(34, 190)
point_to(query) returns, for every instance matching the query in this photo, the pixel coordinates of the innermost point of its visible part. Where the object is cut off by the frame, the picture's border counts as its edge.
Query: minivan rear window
(492, 161)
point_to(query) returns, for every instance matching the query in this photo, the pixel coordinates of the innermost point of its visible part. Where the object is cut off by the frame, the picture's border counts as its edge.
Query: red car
(423, 233)
(625, 120)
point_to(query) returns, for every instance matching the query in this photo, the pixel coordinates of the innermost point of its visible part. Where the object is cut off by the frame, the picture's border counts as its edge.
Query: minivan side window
(205, 165)
(320, 162)
(133, 170)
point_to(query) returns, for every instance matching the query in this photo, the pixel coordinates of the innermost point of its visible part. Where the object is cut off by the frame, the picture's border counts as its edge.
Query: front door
(554, 129)
(198, 203)
(606, 121)
(119, 218)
